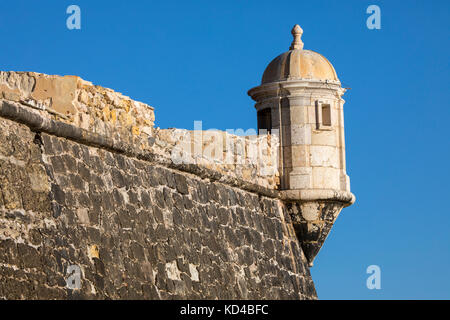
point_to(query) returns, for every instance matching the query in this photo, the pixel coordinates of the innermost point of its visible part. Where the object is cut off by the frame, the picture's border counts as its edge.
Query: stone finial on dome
(297, 43)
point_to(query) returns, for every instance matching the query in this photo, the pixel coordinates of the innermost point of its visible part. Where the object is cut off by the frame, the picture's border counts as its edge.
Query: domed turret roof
(298, 63)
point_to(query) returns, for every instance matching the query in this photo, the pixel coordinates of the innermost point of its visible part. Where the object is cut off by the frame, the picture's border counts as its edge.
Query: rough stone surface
(137, 229)
(103, 112)
(312, 223)
(250, 158)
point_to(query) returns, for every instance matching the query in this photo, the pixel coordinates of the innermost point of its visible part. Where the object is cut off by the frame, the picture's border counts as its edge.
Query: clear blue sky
(195, 60)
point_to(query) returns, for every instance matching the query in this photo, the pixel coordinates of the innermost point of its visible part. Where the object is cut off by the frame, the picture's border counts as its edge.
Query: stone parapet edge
(36, 122)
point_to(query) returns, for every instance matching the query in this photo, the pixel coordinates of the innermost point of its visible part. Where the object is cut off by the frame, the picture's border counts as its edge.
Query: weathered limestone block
(324, 156)
(326, 178)
(71, 99)
(324, 138)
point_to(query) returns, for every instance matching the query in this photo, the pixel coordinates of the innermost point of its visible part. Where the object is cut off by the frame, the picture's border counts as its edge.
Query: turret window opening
(265, 120)
(326, 115)
(323, 116)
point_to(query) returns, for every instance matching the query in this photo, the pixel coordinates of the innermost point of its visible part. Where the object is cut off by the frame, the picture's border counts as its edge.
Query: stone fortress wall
(87, 180)
(99, 113)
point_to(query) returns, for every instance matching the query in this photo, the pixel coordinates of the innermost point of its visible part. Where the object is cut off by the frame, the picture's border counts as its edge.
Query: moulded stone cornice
(293, 87)
(345, 197)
